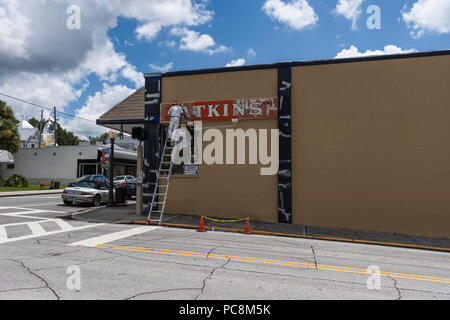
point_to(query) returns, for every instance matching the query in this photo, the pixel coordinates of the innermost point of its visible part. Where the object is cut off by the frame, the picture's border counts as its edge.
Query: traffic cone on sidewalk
(201, 227)
(247, 227)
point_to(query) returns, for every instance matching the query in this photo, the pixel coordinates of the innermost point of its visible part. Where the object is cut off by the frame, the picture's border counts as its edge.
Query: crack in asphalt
(39, 277)
(314, 256)
(209, 276)
(399, 297)
(160, 291)
(22, 289)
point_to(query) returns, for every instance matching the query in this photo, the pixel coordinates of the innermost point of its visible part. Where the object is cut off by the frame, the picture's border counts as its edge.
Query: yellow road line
(274, 262)
(292, 235)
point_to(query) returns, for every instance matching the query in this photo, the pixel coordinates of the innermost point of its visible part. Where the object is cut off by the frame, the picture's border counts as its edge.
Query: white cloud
(297, 14)
(354, 52)
(13, 30)
(42, 61)
(156, 14)
(194, 41)
(95, 106)
(130, 72)
(350, 9)
(103, 60)
(40, 89)
(162, 69)
(148, 31)
(236, 63)
(428, 16)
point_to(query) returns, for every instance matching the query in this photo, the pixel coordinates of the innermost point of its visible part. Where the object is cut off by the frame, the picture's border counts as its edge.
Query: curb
(269, 233)
(290, 235)
(7, 194)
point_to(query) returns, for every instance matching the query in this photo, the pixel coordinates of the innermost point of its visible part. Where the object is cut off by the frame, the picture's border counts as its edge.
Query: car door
(104, 191)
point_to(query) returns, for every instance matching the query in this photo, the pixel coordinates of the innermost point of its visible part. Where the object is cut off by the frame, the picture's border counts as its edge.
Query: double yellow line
(290, 235)
(275, 262)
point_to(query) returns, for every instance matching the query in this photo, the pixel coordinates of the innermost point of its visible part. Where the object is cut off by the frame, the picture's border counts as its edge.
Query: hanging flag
(105, 158)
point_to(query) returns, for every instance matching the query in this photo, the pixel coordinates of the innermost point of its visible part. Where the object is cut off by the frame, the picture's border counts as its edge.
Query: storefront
(361, 142)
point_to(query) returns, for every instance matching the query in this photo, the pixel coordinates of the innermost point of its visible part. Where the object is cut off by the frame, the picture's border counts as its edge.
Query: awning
(6, 157)
(127, 114)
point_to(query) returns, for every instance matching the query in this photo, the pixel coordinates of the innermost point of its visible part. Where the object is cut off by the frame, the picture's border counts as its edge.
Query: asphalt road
(45, 256)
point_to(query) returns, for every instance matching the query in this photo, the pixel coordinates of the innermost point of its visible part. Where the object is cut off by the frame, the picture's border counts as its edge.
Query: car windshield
(86, 184)
(119, 178)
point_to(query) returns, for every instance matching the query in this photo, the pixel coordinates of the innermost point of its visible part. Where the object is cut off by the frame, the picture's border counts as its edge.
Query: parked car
(92, 192)
(119, 180)
(130, 188)
(93, 177)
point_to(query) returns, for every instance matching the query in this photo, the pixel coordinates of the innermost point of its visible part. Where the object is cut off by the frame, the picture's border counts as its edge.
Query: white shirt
(176, 111)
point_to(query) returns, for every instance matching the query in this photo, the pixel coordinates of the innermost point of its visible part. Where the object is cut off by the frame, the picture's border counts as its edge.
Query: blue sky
(86, 71)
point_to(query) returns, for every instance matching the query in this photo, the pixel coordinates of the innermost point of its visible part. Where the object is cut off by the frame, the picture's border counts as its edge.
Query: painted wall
(59, 164)
(370, 145)
(229, 191)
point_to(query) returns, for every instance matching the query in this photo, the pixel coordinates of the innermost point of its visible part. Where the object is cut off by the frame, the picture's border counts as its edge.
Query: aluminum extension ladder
(164, 175)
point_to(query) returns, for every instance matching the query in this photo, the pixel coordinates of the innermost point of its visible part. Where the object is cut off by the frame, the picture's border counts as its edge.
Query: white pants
(174, 124)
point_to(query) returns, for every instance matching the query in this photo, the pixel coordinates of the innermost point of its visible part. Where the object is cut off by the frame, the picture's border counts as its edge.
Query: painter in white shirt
(175, 113)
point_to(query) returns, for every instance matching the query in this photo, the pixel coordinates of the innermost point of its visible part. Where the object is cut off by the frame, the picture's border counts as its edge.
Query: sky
(85, 56)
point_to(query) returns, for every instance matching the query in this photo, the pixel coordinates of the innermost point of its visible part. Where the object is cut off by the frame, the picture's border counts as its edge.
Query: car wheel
(68, 203)
(97, 201)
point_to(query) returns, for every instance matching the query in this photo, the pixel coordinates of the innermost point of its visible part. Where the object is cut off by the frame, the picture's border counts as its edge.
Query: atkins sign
(254, 108)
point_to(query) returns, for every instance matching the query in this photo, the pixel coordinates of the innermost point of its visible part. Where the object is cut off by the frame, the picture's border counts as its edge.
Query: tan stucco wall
(229, 191)
(371, 145)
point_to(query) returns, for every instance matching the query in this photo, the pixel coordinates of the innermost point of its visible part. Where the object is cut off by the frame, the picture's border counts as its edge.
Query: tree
(102, 137)
(37, 124)
(9, 133)
(65, 137)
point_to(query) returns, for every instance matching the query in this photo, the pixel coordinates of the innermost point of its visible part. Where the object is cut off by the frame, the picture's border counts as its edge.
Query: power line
(47, 108)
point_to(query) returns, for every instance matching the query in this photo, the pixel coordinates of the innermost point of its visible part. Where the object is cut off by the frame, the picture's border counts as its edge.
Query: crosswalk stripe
(32, 236)
(3, 234)
(63, 225)
(92, 242)
(36, 228)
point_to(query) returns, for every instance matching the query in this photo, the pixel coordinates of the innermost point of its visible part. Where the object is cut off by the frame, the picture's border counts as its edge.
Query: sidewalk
(127, 215)
(29, 193)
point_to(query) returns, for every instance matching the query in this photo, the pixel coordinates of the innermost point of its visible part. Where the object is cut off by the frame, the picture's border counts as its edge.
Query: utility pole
(40, 128)
(139, 203)
(54, 123)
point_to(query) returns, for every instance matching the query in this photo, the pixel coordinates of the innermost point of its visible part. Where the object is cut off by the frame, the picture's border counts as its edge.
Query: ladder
(164, 175)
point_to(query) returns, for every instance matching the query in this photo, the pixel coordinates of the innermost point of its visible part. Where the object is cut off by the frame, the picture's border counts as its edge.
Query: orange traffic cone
(247, 227)
(201, 227)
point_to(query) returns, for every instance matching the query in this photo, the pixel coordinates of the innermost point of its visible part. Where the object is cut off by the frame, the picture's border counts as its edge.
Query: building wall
(59, 164)
(370, 145)
(229, 191)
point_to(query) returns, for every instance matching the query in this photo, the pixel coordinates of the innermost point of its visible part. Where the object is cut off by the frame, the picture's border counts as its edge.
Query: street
(45, 255)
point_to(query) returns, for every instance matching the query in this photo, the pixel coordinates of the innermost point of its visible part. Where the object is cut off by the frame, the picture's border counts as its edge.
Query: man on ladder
(176, 112)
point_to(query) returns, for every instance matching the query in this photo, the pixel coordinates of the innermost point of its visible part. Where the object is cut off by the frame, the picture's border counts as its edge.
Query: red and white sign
(255, 108)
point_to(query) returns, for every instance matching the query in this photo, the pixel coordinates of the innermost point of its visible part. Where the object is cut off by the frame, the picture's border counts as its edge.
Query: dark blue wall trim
(285, 164)
(152, 144)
